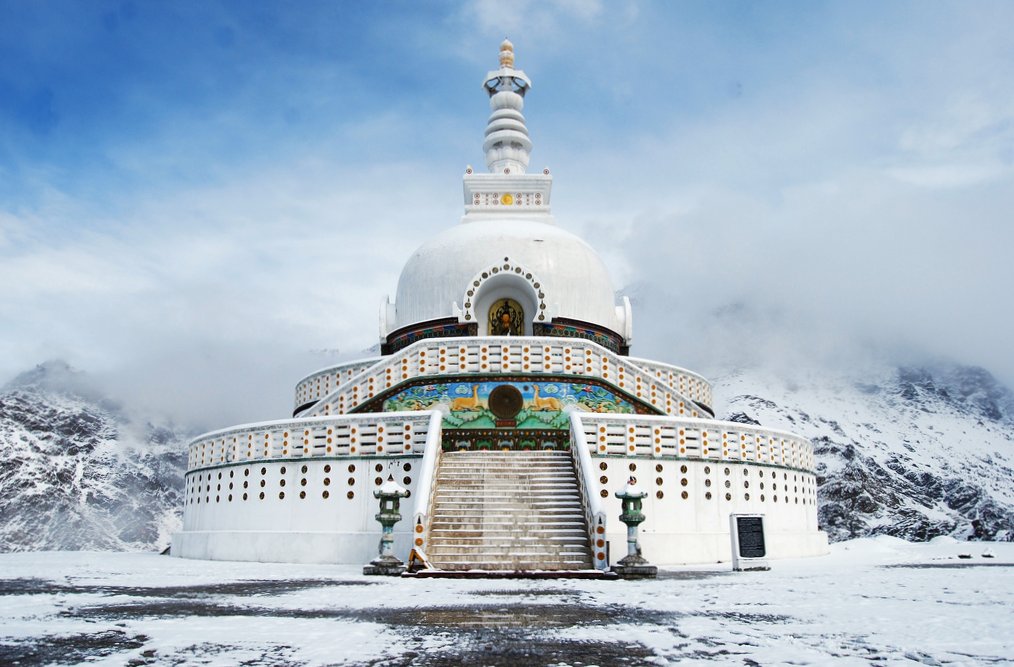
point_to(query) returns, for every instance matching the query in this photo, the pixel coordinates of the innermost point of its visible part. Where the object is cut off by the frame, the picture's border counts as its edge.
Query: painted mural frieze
(539, 405)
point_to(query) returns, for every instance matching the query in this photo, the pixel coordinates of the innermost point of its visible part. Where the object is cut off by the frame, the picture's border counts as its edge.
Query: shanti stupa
(506, 404)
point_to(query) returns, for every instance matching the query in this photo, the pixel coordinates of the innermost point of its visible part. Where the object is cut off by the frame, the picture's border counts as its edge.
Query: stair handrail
(595, 515)
(427, 472)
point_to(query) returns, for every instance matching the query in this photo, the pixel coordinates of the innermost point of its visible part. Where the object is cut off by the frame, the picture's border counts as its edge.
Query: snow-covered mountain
(909, 452)
(77, 473)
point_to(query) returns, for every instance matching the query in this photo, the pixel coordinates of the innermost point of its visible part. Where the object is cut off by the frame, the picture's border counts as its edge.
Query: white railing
(704, 439)
(595, 515)
(533, 355)
(323, 382)
(680, 379)
(425, 488)
(375, 434)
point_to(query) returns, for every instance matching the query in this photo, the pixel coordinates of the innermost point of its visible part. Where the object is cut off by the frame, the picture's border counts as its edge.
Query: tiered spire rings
(507, 144)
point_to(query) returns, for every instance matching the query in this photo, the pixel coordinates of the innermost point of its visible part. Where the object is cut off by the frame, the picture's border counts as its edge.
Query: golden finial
(506, 53)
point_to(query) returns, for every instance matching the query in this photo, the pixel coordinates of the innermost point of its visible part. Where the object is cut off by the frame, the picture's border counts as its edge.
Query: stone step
(519, 491)
(477, 532)
(514, 514)
(507, 547)
(469, 472)
(505, 528)
(508, 511)
(548, 538)
(493, 563)
(548, 513)
(507, 501)
(465, 475)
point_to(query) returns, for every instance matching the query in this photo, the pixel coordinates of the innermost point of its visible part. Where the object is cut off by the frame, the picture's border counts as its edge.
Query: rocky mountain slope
(909, 452)
(77, 473)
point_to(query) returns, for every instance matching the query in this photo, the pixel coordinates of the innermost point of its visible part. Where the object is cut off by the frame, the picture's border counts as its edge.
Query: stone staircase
(515, 511)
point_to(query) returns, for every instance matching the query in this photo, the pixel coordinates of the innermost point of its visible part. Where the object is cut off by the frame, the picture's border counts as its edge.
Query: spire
(507, 145)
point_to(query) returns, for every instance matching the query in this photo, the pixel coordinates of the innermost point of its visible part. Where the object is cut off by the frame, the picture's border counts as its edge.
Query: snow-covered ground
(874, 600)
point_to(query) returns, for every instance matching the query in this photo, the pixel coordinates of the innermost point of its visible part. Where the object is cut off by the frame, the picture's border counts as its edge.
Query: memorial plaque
(750, 530)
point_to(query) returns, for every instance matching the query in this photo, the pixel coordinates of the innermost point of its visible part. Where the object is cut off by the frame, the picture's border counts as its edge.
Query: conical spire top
(506, 53)
(507, 145)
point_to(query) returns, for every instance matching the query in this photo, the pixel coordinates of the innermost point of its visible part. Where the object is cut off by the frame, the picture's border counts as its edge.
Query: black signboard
(750, 530)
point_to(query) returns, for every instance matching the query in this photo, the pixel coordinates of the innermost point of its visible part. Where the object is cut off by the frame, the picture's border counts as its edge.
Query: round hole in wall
(281, 495)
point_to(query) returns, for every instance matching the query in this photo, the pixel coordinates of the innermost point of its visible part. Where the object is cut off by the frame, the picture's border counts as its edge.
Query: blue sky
(202, 190)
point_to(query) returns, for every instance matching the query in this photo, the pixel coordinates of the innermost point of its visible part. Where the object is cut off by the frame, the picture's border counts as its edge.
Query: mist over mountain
(912, 451)
(79, 472)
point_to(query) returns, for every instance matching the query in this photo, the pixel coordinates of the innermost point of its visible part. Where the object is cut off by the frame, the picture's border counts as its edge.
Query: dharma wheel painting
(474, 404)
(506, 318)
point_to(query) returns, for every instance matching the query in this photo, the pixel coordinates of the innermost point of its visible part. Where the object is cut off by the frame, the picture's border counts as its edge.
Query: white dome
(550, 272)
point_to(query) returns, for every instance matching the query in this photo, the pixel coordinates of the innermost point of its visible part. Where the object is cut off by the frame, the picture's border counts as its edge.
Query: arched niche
(491, 296)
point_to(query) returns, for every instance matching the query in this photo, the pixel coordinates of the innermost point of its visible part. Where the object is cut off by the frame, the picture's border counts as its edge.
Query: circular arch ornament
(468, 314)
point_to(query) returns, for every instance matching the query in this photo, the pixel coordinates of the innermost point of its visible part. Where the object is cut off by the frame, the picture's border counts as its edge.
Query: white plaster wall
(696, 529)
(338, 530)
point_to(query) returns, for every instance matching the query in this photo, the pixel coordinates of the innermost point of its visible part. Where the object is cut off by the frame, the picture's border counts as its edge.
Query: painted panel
(543, 404)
